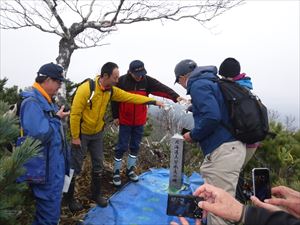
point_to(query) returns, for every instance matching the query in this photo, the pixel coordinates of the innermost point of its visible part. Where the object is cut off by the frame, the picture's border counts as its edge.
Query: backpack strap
(92, 91)
(111, 93)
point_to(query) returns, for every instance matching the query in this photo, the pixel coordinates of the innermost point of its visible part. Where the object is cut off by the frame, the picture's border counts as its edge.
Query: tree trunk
(66, 49)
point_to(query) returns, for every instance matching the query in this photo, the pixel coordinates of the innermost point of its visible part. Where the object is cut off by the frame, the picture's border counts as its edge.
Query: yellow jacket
(90, 121)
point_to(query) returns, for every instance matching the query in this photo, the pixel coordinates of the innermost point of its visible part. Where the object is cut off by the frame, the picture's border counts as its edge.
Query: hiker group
(226, 143)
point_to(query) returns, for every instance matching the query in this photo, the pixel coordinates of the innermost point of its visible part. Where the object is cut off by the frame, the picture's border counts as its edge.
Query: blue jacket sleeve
(206, 111)
(34, 121)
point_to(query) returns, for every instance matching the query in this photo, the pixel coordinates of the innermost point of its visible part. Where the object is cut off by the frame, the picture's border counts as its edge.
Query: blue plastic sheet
(141, 203)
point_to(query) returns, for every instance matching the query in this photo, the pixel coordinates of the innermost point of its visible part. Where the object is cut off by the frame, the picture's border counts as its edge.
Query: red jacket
(136, 115)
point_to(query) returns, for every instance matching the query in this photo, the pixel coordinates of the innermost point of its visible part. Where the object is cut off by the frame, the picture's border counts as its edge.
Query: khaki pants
(221, 168)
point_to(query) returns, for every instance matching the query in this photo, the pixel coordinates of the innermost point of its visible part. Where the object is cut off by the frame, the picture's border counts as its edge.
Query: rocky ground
(153, 154)
(150, 156)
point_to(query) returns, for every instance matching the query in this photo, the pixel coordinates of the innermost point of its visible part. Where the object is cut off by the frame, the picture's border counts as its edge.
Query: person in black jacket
(131, 118)
(222, 204)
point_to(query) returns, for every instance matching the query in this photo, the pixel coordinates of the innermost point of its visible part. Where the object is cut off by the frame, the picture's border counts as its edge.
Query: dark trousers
(130, 137)
(93, 144)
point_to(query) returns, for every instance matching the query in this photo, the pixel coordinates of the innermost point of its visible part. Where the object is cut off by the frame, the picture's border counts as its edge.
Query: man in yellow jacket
(87, 122)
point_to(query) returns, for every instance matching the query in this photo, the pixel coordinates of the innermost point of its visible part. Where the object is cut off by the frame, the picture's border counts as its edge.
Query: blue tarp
(141, 203)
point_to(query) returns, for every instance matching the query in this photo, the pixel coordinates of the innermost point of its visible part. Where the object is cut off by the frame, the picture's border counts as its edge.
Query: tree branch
(22, 14)
(117, 12)
(58, 18)
(90, 12)
(73, 7)
(85, 24)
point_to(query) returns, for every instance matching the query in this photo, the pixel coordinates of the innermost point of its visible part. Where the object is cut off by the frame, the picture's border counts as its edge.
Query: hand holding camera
(62, 113)
(184, 206)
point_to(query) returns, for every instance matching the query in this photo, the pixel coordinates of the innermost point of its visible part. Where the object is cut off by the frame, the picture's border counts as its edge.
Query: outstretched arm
(123, 96)
(159, 89)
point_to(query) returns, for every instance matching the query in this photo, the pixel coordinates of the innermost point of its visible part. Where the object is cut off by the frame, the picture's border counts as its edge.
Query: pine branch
(11, 167)
(8, 129)
(11, 193)
(4, 107)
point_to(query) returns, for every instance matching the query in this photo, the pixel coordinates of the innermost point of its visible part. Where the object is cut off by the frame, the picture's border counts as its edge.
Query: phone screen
(184, 205)
(261, 183)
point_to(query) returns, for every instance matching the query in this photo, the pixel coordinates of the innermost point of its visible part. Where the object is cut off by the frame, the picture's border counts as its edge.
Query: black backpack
(248, 116)
(92, 90)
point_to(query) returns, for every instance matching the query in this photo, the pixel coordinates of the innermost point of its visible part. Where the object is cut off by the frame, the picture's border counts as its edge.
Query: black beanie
(230, 67)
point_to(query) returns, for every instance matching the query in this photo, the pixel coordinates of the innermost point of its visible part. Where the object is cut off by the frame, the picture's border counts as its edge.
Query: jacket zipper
(100, 107)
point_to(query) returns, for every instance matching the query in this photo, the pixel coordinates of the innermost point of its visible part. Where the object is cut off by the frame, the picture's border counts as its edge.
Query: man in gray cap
(224, 155)
(132, 117)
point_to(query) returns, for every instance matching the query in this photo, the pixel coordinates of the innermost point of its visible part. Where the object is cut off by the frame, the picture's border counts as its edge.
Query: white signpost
(176, 162)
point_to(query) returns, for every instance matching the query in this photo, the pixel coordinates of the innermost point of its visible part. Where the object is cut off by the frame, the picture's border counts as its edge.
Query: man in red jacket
(131, 117)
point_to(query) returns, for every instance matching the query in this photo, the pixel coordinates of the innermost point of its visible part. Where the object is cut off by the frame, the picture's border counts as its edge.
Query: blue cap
(184, 67)
(137, 68)
(53, 71)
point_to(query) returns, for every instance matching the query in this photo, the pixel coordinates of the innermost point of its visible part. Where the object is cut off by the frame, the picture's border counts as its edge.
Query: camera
(184, 205)
(67, 108)
(261, 183)
(184, 130)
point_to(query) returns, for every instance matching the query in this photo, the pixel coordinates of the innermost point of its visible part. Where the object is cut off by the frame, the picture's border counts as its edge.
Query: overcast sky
(262, 35)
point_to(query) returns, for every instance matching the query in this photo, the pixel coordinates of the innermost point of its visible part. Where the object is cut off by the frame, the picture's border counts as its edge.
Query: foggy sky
(262, 35)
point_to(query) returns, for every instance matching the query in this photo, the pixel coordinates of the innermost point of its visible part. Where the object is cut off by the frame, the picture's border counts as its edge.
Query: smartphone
(184, 205)
(261, 183)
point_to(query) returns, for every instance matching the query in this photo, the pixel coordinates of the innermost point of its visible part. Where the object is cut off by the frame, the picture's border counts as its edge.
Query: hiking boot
(74, 205)
(132, 175)
(117, 178)
(101, 201)
(131, 162)
(96, 190)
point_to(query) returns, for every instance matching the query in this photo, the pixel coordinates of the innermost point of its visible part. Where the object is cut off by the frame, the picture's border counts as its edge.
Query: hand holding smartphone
(184, 205)
(184, 130)
(261, 183)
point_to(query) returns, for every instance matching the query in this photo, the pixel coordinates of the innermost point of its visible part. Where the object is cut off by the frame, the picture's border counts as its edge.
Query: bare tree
(289, 122)
(273, 115)
(85, 23)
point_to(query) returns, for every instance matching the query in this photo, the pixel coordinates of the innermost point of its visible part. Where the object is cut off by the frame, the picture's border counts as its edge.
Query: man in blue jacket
(224, 155)
(41, 119)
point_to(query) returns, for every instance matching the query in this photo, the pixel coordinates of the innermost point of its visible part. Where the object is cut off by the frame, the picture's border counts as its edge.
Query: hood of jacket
(201, 72)
(245, 82)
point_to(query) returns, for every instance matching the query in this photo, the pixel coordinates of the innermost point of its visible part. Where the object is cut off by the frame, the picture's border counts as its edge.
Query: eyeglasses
(56, 80)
